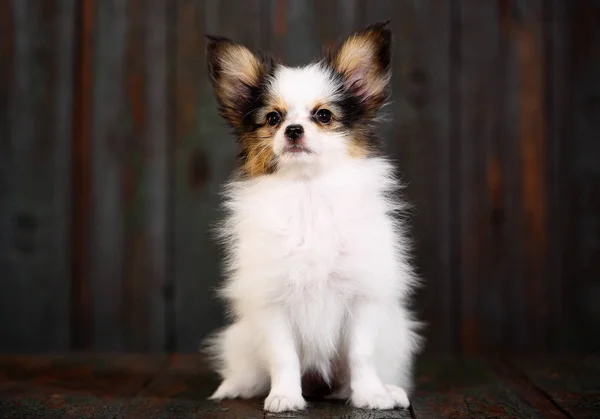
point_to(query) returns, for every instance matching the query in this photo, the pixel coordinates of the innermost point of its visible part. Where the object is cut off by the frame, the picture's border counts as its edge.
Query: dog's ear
(236, 75)
(364, 61)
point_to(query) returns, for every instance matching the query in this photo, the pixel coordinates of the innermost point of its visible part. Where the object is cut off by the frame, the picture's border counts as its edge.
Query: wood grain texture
(177, 386)
(130, 179)
(36, 47)
(81, 310)
(294, 37)
(558, 156)
(478, 56)
(572, 383)
(106, 219)
(453, 387)
(500, 184)
(532, 140)
(157, 176)
(73, 386)
(581, 170)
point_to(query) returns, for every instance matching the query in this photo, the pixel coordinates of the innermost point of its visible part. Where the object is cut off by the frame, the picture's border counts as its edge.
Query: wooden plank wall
(36, 93)
(129, 160)
(112, 154)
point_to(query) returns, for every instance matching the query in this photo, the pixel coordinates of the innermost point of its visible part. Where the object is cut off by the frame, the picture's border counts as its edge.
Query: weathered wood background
(111, 157)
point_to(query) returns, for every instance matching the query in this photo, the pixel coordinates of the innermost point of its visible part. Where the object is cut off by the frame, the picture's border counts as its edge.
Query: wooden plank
(182, 390)
(328, 31)
(505, 190)
(72, 386)
(204, 158)
(81, 310)
(421, 144)
(558, 157)
(532, 151)
(501, 253)
(158, 173)
(571, 383)
(580, 160)
(36, 84)
(452, 387)
(294, 38)
(106, 243)
(507, 300)
(130, 178)
(477, 57)
(528, 392)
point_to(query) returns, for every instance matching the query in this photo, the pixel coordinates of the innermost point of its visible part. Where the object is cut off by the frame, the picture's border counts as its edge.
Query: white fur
(317, 272)
(301, 89)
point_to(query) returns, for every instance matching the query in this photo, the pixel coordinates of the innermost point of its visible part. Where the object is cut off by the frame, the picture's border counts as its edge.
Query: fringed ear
(236, 75)
(364, 61)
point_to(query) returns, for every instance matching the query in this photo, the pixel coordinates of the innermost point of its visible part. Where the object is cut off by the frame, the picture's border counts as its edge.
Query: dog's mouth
(296, 149)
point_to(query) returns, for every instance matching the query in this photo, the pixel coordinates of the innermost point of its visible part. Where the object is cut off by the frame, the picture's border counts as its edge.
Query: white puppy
(317, 275)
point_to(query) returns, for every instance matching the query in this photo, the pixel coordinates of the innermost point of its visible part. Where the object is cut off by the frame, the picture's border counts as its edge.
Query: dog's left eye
(323, 116)
(273, 118)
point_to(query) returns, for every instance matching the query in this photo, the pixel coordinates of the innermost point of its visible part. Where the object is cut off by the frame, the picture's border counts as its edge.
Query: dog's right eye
(273, 118)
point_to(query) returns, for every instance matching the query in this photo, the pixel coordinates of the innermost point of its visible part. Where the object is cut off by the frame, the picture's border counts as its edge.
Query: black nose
(293, 132)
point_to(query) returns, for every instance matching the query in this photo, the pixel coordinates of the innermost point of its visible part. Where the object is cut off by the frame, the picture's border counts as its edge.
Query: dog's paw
(284, 402)
(399, 395)
(372, 398)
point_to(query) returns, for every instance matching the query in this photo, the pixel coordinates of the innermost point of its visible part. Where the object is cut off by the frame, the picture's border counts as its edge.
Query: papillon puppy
(318, 276)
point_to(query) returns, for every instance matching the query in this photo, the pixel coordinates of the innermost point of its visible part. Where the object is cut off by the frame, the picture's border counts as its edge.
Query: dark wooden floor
(155, 386)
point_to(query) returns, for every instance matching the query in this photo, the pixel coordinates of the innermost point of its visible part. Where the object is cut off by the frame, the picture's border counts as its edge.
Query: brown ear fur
(364, 61)
(236, 75)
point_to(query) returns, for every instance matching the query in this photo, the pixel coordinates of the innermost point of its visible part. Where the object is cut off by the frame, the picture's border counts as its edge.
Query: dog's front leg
(283, 363)
(367, 390)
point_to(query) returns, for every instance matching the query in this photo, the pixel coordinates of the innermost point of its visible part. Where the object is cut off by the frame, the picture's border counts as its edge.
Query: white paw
(284, 402)
(399, 395)
(377, 398)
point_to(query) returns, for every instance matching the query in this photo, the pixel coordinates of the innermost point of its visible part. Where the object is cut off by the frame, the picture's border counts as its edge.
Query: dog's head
(289, 119)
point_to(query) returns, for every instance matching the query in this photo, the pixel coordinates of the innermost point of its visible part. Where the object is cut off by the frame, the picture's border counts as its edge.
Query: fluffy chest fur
(313, 243)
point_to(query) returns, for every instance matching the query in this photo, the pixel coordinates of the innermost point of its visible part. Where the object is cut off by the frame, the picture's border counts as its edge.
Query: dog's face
(298, 118)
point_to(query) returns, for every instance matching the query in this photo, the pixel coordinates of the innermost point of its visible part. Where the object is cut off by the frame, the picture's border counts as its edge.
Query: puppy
(317, 274)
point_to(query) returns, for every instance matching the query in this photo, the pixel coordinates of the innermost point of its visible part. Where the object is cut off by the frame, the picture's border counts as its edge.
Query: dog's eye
(273, 118)
(323, 116)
